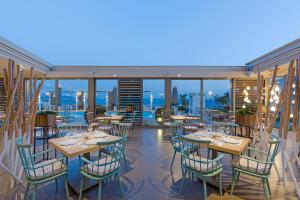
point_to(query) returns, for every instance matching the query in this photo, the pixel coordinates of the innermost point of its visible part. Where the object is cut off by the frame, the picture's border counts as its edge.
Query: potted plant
(245, 117)
(45, 118)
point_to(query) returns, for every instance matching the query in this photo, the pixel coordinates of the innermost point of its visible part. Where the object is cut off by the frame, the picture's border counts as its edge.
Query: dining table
(221, 142)
(81, 144)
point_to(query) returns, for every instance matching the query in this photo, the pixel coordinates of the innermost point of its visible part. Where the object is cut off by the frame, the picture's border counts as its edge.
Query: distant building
(174, 96)
(80, 100)
(194, 103)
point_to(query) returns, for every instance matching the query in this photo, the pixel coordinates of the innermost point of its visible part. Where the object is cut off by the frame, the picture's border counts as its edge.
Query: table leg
(74, 181)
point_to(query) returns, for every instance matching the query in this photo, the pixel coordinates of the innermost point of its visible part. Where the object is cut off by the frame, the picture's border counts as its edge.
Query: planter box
(245, 120)
(43, 120)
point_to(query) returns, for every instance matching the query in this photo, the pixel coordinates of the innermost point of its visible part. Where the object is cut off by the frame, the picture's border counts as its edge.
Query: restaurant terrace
(149, 131)
(113, 133)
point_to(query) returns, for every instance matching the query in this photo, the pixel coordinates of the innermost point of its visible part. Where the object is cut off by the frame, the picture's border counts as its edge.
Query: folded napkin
(94, 141)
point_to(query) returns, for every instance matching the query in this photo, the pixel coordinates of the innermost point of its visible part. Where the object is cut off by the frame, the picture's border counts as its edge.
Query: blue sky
(150, 32)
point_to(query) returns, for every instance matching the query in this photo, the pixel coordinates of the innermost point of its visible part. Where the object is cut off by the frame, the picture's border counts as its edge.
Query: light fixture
(273, 108)
(178, 75)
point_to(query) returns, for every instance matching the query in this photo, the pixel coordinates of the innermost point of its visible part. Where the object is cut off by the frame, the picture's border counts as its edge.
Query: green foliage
(223, 100)
(245, 111)
(46, 112)
(100, 110)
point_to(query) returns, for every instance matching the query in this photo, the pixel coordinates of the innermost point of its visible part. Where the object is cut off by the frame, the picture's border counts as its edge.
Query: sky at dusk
(156, 32)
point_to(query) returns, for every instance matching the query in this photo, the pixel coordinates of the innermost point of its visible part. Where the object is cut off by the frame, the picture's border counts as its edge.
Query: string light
(246, 99)
(274, 99)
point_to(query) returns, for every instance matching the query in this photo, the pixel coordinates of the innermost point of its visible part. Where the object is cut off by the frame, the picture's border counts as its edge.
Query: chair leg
(118, 177)
(124, 158)
(268, 184)
(81, 188)
(173, 159)
(66, 187)
(56, 184)
(233, 181)
(26, 191)
(220, 185)
(204, 189)
(100, 191)
(238, 177)
(265, 188)
(34, 192)
(183, 178)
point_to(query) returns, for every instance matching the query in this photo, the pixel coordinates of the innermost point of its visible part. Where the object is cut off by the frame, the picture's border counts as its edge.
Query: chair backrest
(195, 155)
(89, 116)
(133, 118)
(166, 116)
(122, 129)
(26, 157)
(110, 163)
(274, 142)
(176, 128)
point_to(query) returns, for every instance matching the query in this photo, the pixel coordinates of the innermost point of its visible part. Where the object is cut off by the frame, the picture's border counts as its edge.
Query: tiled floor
(149, 154)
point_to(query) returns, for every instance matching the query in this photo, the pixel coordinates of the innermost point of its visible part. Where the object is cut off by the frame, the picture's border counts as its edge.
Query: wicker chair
(176, 130)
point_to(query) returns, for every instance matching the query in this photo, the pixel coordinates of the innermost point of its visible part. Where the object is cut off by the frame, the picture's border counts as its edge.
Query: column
(201, 99)
(57, 97)
(91, 95)
(232, 95)
(168, 94)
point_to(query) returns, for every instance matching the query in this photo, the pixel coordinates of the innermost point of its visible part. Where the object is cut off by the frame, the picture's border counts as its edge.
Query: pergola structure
(236, 74)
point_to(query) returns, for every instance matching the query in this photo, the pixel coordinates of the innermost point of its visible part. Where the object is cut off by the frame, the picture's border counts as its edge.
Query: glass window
(216, 100)
(106, 96)
(185, 97)
(72, 101)
(46, 99)
(153, 100)
(217, 95)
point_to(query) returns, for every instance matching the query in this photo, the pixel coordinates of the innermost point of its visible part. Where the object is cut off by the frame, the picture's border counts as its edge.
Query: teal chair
(120, 129)
(196, 161)
(176, 129)
(106, 167)
(259, 165)
(43, 171)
